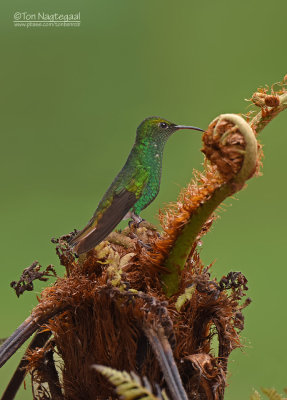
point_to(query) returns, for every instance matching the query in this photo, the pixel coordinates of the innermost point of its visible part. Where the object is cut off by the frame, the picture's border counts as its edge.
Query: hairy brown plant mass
(104, 304)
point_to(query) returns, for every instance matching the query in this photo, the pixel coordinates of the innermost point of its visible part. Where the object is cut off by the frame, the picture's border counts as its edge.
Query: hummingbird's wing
(104, 222)
(121, 196)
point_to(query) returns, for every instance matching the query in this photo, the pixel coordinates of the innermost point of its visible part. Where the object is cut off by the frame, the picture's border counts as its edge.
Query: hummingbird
(134, 188)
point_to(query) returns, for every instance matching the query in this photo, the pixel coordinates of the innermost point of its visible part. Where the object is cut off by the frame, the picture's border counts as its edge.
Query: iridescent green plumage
(134, 188)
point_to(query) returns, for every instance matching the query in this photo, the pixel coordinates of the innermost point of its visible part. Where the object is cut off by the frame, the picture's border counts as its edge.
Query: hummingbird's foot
(134, 224)
(135, 220)
(130, 223)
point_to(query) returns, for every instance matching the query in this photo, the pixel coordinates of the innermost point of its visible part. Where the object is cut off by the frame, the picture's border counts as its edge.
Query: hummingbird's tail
(102, 223)
(89, 237)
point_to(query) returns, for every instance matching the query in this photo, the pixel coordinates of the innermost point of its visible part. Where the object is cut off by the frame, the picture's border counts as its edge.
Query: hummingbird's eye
(163, 125)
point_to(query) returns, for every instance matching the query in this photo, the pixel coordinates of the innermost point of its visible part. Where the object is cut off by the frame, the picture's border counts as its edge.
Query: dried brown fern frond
(106, 305)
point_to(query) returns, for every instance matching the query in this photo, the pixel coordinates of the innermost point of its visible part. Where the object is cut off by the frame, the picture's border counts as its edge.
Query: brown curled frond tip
(224, 146)
(272, 101)
(261, 98)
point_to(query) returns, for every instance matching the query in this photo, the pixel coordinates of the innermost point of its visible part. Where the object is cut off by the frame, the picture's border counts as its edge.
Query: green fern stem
(182, 247)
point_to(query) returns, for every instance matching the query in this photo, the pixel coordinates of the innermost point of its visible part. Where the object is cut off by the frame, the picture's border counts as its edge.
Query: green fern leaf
(187, 295)
(272, 394)
(255, 396)
(129, 386)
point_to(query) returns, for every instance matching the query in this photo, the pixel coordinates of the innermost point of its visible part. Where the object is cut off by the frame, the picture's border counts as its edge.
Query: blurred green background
(71, 99)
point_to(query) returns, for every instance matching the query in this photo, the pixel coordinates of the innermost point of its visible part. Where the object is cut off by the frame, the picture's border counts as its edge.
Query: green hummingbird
(134, 188)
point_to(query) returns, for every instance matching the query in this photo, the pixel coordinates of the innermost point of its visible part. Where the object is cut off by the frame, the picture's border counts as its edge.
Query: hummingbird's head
(159, 129)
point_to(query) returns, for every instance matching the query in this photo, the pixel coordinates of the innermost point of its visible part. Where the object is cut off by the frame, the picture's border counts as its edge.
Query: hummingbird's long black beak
(189, 127)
